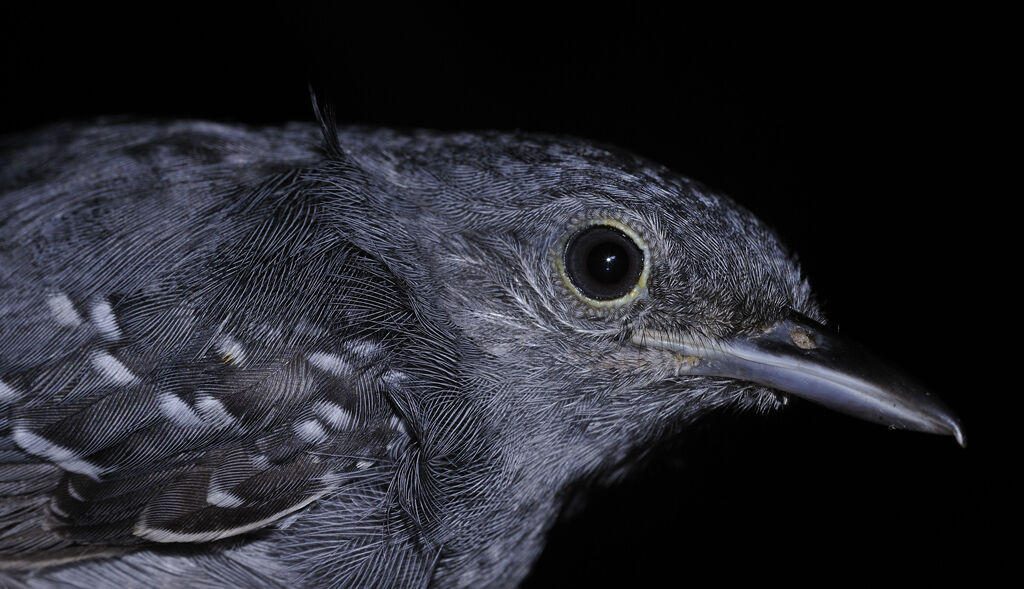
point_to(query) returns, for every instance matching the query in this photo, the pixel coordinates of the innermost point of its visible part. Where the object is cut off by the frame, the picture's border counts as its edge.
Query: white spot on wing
(310, 431)
(61, 456)
(336, 416)
(364, 350)
(260, 462)
(63, 310)
(102, 317)
(178, 411)
(112, 368)
(394, 377)
(143, 530)
(397, 425)
(213, 411)
(230, 350)
(364, 464)
(8, 393)
(329, 363)
(223, 499)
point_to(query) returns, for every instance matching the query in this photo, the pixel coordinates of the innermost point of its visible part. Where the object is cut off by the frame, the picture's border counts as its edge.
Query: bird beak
(803, 358)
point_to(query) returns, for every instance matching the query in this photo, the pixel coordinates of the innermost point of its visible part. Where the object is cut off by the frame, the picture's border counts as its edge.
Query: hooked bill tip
(958, 433)
(950, 424)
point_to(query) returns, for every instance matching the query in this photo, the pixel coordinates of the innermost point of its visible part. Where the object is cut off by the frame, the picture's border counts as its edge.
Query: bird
(315, 355)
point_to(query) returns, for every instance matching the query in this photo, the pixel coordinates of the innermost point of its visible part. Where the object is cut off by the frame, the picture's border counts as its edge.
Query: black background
(856, 135)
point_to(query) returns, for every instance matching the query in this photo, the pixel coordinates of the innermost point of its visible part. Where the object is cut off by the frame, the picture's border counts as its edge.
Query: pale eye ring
(603, 262)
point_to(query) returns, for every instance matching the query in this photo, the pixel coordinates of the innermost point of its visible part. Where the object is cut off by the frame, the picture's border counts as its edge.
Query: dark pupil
(603, 263)
(608, 262)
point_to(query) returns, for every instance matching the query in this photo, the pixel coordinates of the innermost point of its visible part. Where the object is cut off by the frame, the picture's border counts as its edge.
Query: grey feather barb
(328, 125)
(248, 357)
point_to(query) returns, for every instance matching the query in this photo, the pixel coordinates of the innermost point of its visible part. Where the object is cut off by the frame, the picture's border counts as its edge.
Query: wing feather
(187, 380)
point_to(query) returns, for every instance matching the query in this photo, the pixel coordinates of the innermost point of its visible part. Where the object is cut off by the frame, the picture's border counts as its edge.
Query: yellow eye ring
(603, 262)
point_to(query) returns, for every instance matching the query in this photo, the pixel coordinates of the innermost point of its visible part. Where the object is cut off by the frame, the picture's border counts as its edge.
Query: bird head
(607, 301)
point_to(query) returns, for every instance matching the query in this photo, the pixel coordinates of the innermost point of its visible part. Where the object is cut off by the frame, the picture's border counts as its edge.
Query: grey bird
(341, 357)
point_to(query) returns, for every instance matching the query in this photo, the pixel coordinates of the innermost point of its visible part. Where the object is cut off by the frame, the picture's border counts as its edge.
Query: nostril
(803, 339)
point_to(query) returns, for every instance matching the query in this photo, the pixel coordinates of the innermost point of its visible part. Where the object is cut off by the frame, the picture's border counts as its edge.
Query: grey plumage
(248, 357)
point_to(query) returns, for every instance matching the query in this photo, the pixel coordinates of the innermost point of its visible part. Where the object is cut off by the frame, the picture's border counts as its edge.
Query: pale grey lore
(303, 356)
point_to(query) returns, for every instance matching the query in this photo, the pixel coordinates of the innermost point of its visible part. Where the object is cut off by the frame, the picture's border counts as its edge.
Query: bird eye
(605, 262)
